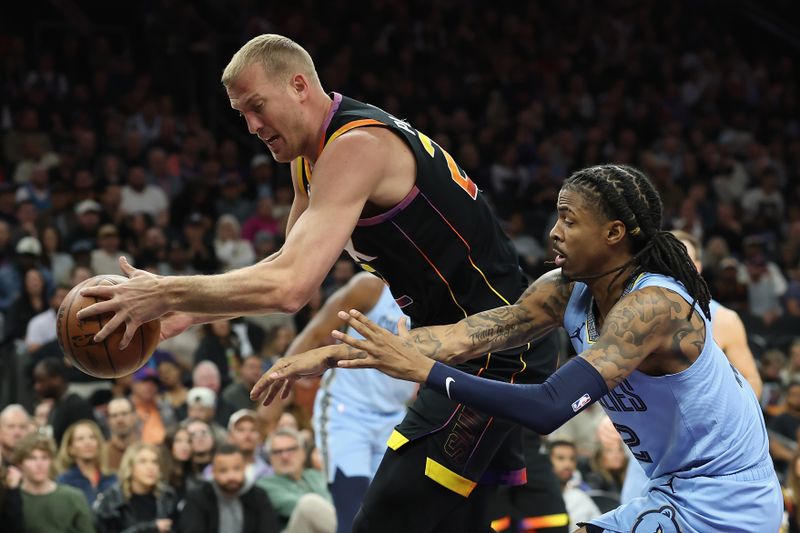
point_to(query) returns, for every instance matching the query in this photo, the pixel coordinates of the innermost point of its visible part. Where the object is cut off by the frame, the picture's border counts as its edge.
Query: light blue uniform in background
(355, 410)
(698, 435)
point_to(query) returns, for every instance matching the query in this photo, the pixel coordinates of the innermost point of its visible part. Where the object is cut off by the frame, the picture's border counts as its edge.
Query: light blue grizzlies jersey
(368, 388)
(703, 421)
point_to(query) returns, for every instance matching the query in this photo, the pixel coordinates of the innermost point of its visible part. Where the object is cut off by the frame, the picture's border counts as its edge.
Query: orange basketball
(104, 359)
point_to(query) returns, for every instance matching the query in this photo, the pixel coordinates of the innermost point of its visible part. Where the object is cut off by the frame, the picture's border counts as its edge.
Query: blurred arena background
(117, 138)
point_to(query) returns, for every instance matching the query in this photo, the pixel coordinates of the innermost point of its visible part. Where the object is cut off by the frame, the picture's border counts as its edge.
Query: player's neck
(606, 297)
(321, 108)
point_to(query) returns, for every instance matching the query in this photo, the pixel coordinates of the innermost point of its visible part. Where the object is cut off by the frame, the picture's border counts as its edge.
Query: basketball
(104, 359)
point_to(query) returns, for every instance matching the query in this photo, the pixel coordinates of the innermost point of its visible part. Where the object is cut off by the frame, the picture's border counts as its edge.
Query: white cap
(29, 245)
(203, 396)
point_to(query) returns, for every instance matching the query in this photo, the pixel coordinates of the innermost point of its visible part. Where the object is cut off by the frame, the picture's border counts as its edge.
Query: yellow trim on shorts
(449, 479)
(501, 524)
(396, 440)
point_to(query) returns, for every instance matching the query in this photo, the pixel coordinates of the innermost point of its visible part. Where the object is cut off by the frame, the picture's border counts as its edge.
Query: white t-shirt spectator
(41, 330)
(151, 200)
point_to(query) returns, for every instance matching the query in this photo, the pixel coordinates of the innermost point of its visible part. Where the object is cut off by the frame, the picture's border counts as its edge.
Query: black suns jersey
(441, 250)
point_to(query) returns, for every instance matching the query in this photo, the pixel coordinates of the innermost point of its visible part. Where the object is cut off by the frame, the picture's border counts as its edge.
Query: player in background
(354, 412)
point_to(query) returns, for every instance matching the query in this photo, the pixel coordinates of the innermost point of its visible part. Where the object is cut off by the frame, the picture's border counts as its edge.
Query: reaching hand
(13, 477)
(133, 303)
(287, 370)
(394, 355)
(173, 324)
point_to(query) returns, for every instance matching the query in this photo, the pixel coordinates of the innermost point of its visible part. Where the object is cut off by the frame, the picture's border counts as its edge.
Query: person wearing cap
(202, 405)
(88, 214)
(243, 433)
(105, 258)
(28, 252)
(156, 416)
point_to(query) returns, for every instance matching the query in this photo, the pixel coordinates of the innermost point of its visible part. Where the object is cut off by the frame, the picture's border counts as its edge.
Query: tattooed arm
(538, 311)
(648, 321)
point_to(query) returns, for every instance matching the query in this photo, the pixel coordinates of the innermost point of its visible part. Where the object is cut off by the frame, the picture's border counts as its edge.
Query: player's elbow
(293, 299)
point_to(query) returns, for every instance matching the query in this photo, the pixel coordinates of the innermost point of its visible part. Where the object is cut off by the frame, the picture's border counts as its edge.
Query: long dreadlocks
(626, 194)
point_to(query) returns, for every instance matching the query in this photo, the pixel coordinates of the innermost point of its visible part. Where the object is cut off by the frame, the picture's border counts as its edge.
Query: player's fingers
(361, 344)
(99, 308)
(126, 267)
(263, 383)
(109, 327)
(272, 389)
(362, 327)
(104, 292)
(287, 389)
(402, 326)
(130, 331)
(364, 362)
(363, 319)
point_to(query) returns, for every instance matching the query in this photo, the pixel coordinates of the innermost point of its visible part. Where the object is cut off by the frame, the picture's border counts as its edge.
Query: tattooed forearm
(644, 322)
(427, 342)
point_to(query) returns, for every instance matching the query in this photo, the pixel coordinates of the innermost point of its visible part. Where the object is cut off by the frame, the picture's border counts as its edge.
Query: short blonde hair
(280, 56)
(125, 472)
(64, 459)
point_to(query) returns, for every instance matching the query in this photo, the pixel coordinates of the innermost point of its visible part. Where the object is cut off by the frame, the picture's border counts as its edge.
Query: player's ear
(615, 232)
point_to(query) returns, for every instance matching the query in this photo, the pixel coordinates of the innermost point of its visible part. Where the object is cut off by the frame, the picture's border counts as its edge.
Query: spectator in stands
(170, 374)
(176, 453)
(221, 346)
(201, 404)
(48, 506)
(11, 499)
(203, 445)
(243, 434)
(232, 250)
(783, 429)
(237, 394)
(53, 257)
(42, 327)
(30, 302)
(300, 495)
(231, 201)
(124, 431)
(88, 214)
(228, 503)
(609, 465)
(140, 501)
(80, 462)
(140, 197)
(15, 424)
(728, 289)
(580, 506)
(261, 220)
(105, 258)
(791, 372)
(50, 383)
(791, 494)
(155, 414)
(27, 255)
(200, 245)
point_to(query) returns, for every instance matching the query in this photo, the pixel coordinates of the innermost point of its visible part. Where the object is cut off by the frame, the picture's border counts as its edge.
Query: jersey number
(458, 175)
(631, 440)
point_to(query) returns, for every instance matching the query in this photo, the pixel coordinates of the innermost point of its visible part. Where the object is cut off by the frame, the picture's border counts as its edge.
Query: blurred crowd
(116, 140)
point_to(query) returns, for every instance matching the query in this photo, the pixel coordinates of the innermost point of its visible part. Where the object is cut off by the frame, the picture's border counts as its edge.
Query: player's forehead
(251, 84)
(571, 201)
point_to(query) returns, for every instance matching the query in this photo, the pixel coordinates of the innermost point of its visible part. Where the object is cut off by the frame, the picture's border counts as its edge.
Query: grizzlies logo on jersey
(660, 521)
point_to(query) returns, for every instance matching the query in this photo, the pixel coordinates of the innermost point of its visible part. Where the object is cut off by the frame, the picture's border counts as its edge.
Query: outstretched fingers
(110, 327)
(361, 344)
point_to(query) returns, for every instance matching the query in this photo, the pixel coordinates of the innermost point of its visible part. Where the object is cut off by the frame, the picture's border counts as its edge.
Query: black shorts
(464, 447)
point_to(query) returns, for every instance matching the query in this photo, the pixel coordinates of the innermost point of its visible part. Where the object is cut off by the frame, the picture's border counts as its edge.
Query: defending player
(368, 182)
(354, 412)
(637, 313)
(730, 336)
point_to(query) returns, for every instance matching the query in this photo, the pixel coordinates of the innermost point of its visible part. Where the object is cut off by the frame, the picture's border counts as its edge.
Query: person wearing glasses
(299, 495)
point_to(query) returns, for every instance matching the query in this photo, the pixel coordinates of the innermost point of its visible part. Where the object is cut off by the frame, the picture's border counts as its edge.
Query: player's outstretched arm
(345, 176)
(731, 336)
(651, 320)
(538, 311)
